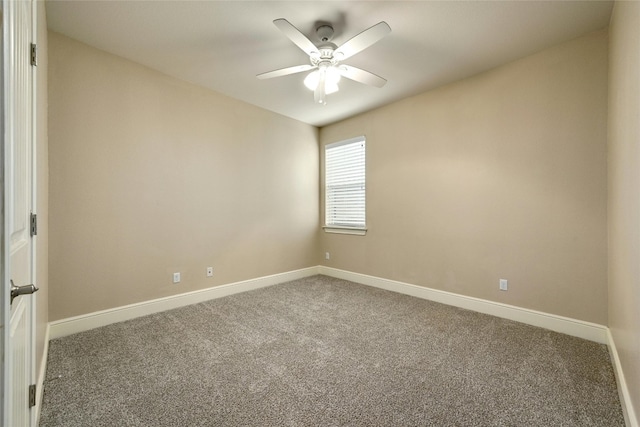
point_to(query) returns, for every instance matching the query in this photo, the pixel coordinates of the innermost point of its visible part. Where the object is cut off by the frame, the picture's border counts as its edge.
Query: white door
(18, 256)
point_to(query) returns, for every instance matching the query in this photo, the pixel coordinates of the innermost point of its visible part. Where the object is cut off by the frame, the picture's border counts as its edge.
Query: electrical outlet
(504, 284)
(327, 255)
(176, 277)
(209, 271)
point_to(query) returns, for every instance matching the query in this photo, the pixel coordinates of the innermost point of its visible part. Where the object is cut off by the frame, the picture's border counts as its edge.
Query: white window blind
(345, 184)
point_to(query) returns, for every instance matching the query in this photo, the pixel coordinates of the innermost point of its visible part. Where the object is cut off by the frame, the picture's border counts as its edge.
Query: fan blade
(361, 76)
(296, 36)
(362, 41)
(285, 71)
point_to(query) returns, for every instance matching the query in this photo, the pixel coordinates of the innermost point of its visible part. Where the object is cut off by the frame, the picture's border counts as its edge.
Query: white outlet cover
(504, 284)
(209, 271)
(176, 277)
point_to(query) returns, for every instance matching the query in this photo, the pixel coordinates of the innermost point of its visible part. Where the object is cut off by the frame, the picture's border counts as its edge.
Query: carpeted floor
(326, 352)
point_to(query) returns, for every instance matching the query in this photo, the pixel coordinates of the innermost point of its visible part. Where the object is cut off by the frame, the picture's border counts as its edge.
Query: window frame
(337, 228)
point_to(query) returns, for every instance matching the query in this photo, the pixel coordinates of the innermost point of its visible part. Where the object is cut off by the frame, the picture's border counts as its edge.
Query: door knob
(21, 290)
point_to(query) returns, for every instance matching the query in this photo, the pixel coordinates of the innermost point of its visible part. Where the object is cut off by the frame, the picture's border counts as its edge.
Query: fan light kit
(331, 79)
(325, 58)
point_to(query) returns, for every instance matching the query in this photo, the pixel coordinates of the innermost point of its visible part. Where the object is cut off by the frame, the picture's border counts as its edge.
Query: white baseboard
(41, 377)
(625, 399)
(577, 328)
(565, 325)
(85, 322)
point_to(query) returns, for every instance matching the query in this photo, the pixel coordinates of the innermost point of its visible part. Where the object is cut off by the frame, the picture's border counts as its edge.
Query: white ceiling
(222, 45)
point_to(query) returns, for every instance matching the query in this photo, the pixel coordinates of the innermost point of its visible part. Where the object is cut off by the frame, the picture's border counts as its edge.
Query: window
(345, 186)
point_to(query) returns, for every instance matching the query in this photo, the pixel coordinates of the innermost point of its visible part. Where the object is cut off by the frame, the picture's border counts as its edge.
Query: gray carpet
(326, 352)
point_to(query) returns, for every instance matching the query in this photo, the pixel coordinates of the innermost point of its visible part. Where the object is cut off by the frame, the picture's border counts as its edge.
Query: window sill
(345, 230)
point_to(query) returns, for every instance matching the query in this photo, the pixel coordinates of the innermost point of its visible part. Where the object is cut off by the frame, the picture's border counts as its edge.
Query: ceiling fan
(326, 57)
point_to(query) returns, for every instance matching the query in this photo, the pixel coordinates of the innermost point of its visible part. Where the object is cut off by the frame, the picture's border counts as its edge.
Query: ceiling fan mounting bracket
(324, 33)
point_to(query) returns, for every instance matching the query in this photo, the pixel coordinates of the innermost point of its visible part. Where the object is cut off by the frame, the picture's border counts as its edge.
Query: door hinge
(34, 224)
(32, 395)
(34, 54)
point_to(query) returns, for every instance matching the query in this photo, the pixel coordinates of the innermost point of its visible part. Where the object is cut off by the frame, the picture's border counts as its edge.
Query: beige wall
(150, 175)
(499, 176)
(624, 191)
(502, 175)
(42, 203)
